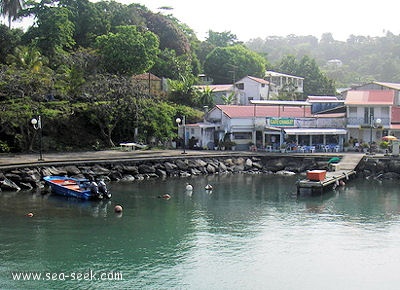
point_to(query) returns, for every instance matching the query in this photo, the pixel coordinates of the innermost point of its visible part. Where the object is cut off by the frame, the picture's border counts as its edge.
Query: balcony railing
(385, 122)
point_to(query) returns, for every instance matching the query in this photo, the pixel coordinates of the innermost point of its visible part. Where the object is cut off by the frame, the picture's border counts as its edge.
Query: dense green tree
(128, 51)
(315, 82)
(9, 39)
(221, 39)
(10, 9)
(112, 100)
(20, 83)
(53, 32)
(77, 66)
(183, 92)
(157, 121)
(171, 66)
(224, 62)
(168, 32)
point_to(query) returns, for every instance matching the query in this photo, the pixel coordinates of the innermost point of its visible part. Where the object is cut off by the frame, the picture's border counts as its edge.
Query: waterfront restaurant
(272, 125)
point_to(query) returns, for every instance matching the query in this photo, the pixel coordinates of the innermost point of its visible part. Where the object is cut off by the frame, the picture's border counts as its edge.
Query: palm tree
(206, 97)
(229, 99)
(10, 9)
(26, 57)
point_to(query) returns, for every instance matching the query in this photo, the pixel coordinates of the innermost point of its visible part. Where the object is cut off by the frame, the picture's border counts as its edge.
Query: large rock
(146, 169)
(72, 170)
(393, 166)
(53, 171)
(181, 164)
(7, 184)
(100, 170)
(248, 164)
(130, 169)
(211, 169)
(170, 167)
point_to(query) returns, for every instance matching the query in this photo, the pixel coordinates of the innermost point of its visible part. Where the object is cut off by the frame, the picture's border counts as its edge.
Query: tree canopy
(128, 51)
(227, 64)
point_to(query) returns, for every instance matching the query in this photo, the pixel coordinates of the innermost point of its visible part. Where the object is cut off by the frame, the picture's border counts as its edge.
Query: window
(242, 135)
(368, 115)
(240, 86)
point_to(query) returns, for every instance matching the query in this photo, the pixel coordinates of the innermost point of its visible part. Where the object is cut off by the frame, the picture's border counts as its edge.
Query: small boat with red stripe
(80, 188)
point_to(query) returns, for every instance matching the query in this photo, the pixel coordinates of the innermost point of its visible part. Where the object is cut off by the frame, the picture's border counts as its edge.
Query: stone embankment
(30, 177)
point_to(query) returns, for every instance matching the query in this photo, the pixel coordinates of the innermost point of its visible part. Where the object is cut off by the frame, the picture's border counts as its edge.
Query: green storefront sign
(281, 122)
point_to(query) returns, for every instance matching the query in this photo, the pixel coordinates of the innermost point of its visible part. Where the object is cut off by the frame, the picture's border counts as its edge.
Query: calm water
(249, 233)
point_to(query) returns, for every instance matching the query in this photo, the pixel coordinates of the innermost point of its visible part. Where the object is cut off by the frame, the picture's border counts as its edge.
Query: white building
(280, 82)
(251, 88)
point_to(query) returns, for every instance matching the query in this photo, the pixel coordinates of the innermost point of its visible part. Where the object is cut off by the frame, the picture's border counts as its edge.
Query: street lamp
(37, 125)
(373, 124)
(183, 124)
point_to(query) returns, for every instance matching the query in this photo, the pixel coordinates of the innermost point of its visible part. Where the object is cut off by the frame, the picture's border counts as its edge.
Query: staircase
(350, 161)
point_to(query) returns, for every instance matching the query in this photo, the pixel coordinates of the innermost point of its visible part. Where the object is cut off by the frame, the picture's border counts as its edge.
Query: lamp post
(37, 125)
(182, 122)
(374, 123)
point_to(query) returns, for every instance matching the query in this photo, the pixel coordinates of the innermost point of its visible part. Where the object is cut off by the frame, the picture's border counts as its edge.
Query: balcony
(360, 121)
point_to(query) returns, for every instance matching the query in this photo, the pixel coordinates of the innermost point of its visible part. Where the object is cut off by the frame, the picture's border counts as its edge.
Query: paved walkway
(20, 160)
(17, 160)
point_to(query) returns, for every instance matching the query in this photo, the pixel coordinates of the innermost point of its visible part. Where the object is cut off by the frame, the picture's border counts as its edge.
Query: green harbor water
(250, 232)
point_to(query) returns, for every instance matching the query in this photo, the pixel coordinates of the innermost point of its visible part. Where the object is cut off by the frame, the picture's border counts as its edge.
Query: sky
(262, 18)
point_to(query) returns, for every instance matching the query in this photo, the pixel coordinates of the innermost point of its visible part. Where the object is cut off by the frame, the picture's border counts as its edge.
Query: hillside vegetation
(75, 65)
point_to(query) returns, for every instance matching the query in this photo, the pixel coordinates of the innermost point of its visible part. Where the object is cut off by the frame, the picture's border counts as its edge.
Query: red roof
(261, 81)
(234, 111)
(216, 88)
(374, 97)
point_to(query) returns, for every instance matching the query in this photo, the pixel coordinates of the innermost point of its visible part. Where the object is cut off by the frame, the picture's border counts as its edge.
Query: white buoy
(189, 187)
(208, 187)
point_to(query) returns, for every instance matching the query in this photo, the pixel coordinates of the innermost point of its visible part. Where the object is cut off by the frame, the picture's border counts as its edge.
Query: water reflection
(250, 229)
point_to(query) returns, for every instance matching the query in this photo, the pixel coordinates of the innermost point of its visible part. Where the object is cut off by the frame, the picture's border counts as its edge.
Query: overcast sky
(262, 18)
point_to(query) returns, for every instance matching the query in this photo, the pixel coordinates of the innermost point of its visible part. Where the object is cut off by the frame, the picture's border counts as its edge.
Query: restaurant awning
(315, 131)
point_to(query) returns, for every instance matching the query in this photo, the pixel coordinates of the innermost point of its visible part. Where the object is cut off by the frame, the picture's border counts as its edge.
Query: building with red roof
(373, 113)
(268, 124)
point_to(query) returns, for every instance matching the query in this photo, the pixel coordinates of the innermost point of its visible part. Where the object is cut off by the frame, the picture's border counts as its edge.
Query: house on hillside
(280, 82)
(150, 83)
(251, 88)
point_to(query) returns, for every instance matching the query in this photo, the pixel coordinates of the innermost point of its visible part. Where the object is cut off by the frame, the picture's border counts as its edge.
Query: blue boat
(79, 188)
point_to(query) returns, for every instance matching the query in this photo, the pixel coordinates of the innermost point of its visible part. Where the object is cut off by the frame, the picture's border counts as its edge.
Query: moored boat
(79, 188)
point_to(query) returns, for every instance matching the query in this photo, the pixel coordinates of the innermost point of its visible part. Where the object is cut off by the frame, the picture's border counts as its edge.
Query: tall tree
(10, 9)
(9, 39)
(221, 39)
(225, 64)
(315, 81)
(128, 51)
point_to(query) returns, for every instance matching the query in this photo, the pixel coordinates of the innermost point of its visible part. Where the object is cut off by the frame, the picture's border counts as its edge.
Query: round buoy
(166, 196)
(29, 214)
(189, 187)
(208, 187)
(118, 208)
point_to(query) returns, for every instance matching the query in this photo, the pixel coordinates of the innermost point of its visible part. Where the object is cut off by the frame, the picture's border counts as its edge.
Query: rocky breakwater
(30, 178)
(383, 168)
